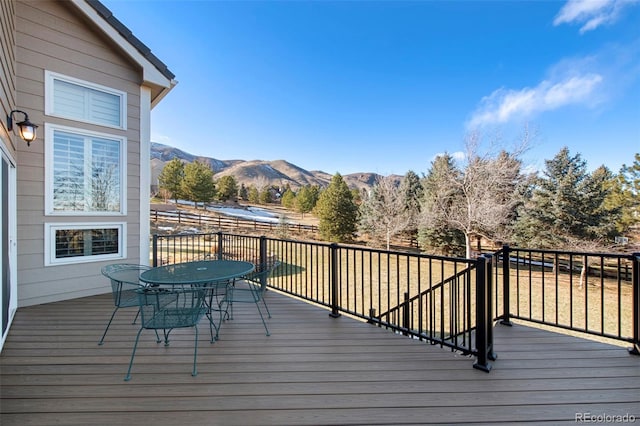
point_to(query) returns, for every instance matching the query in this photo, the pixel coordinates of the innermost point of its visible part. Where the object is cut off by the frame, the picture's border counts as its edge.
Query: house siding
(52, 36)
(7, 70)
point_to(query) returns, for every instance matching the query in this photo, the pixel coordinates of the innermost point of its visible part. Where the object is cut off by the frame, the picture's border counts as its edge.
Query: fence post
(154, 248)
(635, 316)
(482, 349)
(334, 280)
(506, 286)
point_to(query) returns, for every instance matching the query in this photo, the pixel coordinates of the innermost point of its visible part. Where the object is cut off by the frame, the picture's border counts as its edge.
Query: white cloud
(591, 13)
(504, 105)
(457, 156)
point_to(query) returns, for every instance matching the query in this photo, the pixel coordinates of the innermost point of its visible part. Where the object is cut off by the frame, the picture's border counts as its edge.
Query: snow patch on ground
(251, 213)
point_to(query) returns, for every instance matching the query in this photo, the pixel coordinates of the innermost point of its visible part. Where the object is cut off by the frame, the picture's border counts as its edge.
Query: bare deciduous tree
(477, 199)
(383, 212)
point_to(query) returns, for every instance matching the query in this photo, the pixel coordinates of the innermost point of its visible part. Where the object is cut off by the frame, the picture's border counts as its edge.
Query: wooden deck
(312, 370)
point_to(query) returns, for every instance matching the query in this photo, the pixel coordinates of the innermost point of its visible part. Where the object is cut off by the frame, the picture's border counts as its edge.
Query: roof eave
(154, 72)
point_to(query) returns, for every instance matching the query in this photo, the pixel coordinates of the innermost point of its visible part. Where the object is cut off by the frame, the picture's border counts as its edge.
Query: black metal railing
(452, 302)
(430, 298)
(592, 293)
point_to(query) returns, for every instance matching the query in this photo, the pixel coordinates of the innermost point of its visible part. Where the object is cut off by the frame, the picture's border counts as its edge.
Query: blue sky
(385, 86)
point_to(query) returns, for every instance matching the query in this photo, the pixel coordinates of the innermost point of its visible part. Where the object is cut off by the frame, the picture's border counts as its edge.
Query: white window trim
(48, 181)
(50, 242)
(49, 78)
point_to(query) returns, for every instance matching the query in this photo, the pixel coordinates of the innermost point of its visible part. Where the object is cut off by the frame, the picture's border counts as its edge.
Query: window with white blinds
(84, 101)
(85, 172)
(83, 242)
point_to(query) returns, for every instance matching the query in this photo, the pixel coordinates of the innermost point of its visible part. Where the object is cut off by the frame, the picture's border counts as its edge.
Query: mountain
(258, 173)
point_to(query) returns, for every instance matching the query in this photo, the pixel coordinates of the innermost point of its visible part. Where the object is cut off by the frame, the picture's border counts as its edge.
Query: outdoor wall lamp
(26, 129)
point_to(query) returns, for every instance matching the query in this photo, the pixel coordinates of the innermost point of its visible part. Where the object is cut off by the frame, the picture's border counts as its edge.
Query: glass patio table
(216, 275)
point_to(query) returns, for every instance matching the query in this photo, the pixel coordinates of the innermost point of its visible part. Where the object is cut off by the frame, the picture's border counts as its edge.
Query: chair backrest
(262, 273)
(172, 306)
(125, 280)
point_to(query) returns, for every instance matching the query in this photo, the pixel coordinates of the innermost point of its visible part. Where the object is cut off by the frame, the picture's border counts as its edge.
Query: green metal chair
(125, 280)
(169, 307)
(251, 289)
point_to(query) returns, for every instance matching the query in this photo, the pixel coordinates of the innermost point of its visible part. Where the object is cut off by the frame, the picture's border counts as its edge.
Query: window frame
(50, 242)
(50, 130)
(50, 78)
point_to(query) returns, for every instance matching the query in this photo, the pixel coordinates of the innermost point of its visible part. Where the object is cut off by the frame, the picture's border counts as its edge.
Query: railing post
(490, 354)
(372, 315)
(405, 314)
(263, 250)
(334, 280)
(506, 286)
(635, 316)
(220, 242)
(482, 348)
(154, 248)
(263, 256)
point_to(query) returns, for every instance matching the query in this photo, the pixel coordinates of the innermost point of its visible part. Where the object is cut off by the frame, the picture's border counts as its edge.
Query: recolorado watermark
(604, 418)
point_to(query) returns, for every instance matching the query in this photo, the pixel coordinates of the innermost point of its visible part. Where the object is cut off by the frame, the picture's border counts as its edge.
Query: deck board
(312, 370)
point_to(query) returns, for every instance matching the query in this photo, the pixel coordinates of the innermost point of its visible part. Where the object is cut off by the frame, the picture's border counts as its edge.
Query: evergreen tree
(412, 191)
(243, 192)
(336, 211)
(198, 185)
(171, 177)
(266, 196)
(625, 195)
(306, 199)
(566, 205)
(253, 196)
(437, 197)
(227, 188)
(288, 199)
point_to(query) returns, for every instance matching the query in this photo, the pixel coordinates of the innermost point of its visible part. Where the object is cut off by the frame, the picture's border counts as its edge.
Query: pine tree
(625, 195)
(288, 199)
(266, 196)
(253, 196)
(434, 231)
(198, 185)
(171, 177)
(566, 205)
(336, 211)
(227, 188)
(306, 199)
(243, 192)
(412, 192)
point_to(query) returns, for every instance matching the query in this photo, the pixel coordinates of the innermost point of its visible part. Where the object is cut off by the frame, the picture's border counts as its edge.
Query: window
(75, 243)
(79, 100)
(85, 172)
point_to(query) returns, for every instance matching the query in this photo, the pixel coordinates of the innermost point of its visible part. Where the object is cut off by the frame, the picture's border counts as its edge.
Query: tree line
(488, 196)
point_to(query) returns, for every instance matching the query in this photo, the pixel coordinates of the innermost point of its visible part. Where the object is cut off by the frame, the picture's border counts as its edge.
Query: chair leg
(266, 307)
(136, 318)
(108, 325)
(195, 353)
(262, 318)
(133, 354)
